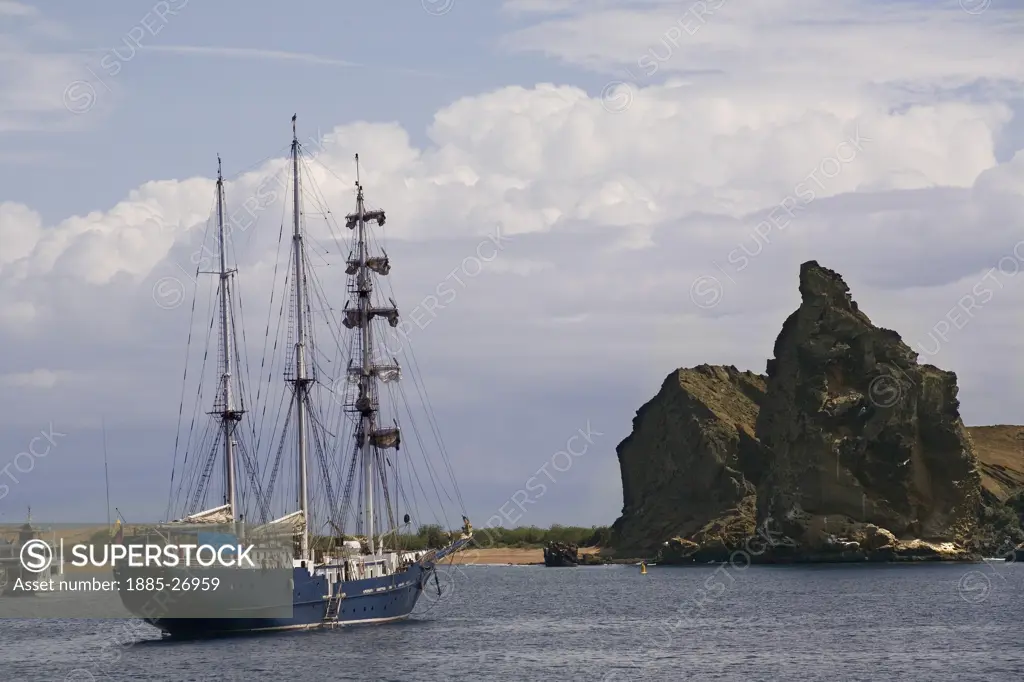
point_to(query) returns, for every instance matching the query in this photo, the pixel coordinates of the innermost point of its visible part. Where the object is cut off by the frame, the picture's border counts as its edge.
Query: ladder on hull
(333, 607)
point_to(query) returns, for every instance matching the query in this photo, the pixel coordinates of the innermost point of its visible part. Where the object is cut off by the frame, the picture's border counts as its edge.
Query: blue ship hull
(371, 600)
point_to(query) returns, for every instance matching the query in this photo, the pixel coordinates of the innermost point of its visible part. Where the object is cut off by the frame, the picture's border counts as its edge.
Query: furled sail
(294, 521)
(391, 314)
(221, 514)
(379, 264)
(383, 438)
(352, 219)
(289, 525)
(353, 316)
(386, 438)
(385, 373)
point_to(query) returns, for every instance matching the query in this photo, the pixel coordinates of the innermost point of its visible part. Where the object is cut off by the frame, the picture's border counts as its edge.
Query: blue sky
(626, 204)
(166, 113)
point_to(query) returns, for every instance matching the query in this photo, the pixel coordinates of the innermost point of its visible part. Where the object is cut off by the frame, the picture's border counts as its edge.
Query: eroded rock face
(858, 431)
(691, 466)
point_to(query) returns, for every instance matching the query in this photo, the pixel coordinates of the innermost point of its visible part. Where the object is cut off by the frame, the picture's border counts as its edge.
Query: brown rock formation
(860, 432)
(681, 466)
(848, 449)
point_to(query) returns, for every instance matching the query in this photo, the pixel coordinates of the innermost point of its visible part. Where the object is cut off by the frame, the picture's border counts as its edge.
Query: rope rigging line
(202, 488)
(418, 382)
(184, 381)
(277, 460)
(331, 498)
(266, 338)
(420, 386)
(347, 495)
(197, 406)
(252, 468)
(202, 371)
(425, 459)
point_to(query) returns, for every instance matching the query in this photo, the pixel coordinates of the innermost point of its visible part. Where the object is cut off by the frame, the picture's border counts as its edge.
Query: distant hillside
(1000, 451)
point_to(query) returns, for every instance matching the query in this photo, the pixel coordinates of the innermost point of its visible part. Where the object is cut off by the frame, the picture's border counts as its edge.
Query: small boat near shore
(561, 555)
(12, 567)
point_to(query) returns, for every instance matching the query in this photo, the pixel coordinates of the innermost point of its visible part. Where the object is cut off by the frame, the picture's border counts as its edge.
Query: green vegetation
(532, 536)
(433, 536)
(1016, 503)
(1002, 526)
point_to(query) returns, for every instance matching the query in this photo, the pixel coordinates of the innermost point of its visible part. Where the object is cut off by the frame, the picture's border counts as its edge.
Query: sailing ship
(363, 577)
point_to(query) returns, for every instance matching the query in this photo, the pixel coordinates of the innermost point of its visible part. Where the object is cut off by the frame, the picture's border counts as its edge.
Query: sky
(654, 173)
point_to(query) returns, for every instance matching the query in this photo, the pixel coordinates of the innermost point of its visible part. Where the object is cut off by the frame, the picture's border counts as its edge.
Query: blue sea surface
(924, 622)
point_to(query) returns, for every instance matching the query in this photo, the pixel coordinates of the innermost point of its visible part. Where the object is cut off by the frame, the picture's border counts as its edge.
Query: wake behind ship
(334, 576)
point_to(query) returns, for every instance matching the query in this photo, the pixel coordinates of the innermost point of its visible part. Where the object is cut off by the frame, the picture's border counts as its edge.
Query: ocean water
(928, 623)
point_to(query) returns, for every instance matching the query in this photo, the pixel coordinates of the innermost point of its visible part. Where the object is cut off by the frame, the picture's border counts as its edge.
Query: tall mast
(229, 416)
(301, 381)
(367, 359)
(370, 438)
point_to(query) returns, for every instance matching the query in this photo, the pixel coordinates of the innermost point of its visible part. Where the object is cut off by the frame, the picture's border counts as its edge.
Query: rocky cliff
(692, 459)
(848, 448)
(859, 431)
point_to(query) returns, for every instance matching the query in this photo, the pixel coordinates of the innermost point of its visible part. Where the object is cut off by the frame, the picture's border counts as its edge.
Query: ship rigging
(324, 452)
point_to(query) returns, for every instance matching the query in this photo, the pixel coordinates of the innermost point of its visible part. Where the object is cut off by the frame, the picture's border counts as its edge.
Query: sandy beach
(508, 555)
